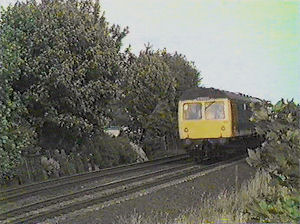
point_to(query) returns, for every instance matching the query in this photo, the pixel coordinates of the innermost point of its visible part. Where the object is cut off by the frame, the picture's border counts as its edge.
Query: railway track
(70, 202)
(12, 197)
(21, 192)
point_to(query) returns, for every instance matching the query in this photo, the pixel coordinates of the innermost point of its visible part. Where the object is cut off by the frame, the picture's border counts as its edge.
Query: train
(209, 118)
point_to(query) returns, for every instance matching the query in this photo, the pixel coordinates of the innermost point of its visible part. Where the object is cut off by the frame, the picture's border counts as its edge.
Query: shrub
(280, 153)
(106, 151)
(15, 132)
(279, 156)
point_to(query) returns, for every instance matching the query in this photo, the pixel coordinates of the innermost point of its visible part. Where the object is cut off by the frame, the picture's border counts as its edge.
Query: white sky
(244, 46)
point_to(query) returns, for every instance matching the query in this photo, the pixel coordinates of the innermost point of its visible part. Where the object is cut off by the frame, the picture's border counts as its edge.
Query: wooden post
(165, 143)
(236, 183)
(28, 173)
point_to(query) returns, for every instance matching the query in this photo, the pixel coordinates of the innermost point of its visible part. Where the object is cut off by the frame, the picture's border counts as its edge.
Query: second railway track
(70, 202)
(35, 188)
(13, 201)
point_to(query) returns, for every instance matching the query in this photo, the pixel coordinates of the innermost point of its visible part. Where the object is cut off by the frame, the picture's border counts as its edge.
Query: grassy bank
(256, 201)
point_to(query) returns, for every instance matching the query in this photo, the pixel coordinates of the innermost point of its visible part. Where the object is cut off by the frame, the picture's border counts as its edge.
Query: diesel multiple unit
(214, 116)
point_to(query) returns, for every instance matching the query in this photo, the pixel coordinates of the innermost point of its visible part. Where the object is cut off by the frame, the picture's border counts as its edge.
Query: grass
(228, 207)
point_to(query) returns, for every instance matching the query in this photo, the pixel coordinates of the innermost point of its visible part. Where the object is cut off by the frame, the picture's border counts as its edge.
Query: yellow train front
(210, 117)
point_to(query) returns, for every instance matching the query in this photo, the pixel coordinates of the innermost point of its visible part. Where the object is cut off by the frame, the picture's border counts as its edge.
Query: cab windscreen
(214, 111)
(192, 111)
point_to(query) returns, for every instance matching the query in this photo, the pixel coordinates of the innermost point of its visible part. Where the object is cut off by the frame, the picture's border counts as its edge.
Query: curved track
(45, 186)
(13, 196)
(67, 203)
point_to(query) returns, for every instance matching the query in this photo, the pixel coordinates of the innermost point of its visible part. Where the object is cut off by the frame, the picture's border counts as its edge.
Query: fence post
(165, 143)
(27, 169)
(236, 182)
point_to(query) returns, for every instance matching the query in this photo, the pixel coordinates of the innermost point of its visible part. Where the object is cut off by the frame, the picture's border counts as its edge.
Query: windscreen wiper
(211, 103)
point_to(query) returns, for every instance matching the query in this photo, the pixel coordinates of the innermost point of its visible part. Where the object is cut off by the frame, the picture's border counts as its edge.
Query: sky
(247, 46)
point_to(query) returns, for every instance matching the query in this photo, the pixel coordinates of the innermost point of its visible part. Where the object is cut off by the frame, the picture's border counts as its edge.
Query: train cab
(209, 118)
(208, 113)
(205, 118)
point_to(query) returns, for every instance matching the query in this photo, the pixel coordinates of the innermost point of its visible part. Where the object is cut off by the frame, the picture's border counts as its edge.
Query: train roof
(199, 92)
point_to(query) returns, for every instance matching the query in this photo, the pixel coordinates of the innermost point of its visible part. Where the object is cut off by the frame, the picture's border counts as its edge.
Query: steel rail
(100, 188)
(32, 189)
(100, 199)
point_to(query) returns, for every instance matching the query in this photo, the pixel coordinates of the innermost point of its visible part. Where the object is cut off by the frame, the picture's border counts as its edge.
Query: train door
(234, 115)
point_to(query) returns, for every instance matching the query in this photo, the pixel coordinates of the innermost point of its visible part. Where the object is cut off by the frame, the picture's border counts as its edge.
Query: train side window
(192, 111)
(215, 111)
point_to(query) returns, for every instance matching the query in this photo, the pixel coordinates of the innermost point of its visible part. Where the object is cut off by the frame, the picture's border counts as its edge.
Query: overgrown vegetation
(152, 88)
(105, 151)
(64, 79)
(15, 132)
(280, 153)
(279, 156)
(230, 206)
(65, 69)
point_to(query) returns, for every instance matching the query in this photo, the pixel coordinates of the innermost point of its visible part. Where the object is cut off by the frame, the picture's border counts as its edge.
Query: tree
(186, 76)
(15, 133)
(148, 84)
(152, 86)
(66, 66)
(185, 73)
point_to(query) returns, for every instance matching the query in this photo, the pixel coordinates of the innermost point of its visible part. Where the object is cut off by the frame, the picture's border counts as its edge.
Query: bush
(279, 156)
(106, 151)
(15, 132)
(280, 153)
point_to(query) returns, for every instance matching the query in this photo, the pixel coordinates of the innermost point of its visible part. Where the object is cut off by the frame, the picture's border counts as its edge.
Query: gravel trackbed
(172, 200)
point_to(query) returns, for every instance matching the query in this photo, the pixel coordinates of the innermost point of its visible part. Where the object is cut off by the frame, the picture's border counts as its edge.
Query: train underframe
(202, 150)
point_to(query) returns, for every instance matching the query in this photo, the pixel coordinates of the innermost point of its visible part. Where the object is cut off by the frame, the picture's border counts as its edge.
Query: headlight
(223, 128)
(186, 130)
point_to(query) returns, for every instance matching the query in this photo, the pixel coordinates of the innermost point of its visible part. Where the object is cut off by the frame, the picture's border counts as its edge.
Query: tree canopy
(151, 90)
(64, 79)
(66, 65)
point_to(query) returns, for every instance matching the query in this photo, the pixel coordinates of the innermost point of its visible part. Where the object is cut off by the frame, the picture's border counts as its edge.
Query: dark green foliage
(105, 151)
(280, 153)
(149, 84)
(15, 132)
(280, 206)
(148, 94)
(184, 71)
(63, 79)
(66, 64)
(279, 156)
(153, 84)
(101, 152)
